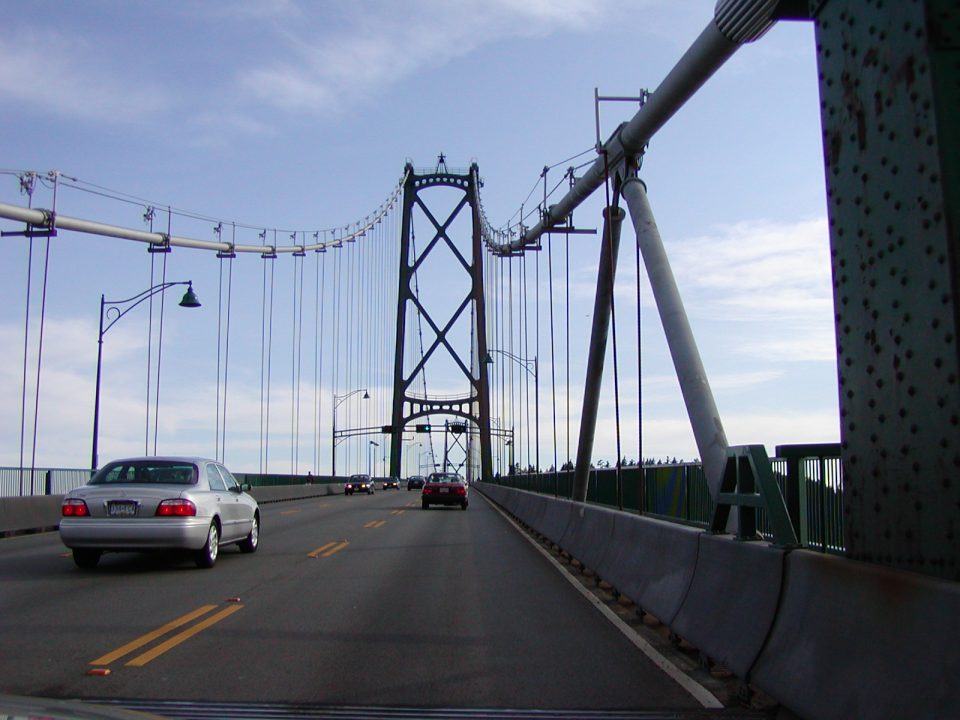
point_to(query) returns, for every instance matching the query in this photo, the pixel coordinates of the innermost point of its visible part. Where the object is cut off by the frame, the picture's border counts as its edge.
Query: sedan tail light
(460, 490)
(176, 507)
(74, 507)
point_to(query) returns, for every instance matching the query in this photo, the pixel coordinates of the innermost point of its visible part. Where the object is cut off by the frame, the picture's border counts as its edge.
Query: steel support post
(697, 396)
(602, 304)
(890, 108)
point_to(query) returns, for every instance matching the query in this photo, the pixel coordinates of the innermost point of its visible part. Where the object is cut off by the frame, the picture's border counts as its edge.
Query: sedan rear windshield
(445, 479)
(155, 472)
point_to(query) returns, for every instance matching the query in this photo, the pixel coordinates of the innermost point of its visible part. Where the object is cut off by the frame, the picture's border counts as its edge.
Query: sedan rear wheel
(250, 542)
(206, 556)
(425, 505)
(86, 557)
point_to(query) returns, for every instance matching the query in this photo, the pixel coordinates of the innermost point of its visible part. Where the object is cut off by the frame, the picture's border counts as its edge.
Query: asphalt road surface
(350, 600)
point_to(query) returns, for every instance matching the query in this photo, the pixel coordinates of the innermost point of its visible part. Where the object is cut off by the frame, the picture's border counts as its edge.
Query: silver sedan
(150, 503)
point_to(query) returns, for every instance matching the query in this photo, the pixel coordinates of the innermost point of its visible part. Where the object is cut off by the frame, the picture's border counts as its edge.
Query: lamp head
(190, 299)
(488, 358)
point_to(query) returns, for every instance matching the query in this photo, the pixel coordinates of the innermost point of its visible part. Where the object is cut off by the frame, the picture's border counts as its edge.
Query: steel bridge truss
(474, 406)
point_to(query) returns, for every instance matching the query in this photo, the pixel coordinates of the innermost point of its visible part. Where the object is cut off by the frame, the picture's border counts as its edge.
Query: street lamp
(337, 401)
(112, 311)
(530, 365)
(370, 458)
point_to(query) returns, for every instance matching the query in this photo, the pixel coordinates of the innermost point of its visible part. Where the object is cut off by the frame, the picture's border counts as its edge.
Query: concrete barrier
(854, 640)
(29, 514)
(280, 493)
(556, 518)
(652, 562)
(732, 600)
(587, 537)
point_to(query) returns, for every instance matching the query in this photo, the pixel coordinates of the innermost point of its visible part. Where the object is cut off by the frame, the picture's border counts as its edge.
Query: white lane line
(696, 690)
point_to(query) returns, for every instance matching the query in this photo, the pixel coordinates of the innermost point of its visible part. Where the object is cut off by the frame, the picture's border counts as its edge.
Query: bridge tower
(460, 337)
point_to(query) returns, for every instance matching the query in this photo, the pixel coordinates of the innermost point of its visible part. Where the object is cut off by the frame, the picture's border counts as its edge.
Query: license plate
(121, 509)
(444, 490)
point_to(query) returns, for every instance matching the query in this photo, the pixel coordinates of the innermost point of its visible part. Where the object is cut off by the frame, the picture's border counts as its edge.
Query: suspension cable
(613, 326)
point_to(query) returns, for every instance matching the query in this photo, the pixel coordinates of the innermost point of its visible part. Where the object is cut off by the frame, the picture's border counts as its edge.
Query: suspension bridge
(424, 337)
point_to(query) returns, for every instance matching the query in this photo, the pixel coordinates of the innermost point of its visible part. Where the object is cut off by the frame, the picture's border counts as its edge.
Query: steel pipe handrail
(735, 22)
(45, 218)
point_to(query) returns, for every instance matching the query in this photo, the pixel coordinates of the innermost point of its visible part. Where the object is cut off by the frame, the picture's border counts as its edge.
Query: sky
(302, 115)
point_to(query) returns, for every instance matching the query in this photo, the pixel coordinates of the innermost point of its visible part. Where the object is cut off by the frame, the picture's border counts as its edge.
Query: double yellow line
(375, 524)
(169, 643)
(327, 550)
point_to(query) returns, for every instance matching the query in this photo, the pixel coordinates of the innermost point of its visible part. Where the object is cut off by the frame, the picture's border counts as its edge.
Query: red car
(444, 489)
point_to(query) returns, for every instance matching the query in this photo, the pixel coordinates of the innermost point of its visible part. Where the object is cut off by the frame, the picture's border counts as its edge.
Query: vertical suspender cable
(226, 350)
(553, 355)
(537, 355)
(216, 434)
(642, 488)
(513, 438)
(298, 347)
(266, 432)
(163, 279)
(525, 348)
(335, 292)
(26, 339)
(566, 267)
(613, 326)
(43, 311)
(263, 345)
(146, 425)
(317, 358)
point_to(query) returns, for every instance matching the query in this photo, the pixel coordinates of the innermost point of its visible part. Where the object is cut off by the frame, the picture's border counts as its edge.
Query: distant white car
(152, 503)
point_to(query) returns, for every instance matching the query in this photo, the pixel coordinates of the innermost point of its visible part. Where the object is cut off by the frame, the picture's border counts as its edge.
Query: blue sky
(283, 114)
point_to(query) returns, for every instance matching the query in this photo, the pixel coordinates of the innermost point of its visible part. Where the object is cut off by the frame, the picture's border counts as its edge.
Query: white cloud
(757, 270)
(66, 76)
(323, 73)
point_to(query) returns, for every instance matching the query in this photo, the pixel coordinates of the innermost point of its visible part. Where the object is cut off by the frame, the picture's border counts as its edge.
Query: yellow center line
(151, 636)
(322, 548)
(289, 512)
(398, 512)
(337, 548)
(171, 643)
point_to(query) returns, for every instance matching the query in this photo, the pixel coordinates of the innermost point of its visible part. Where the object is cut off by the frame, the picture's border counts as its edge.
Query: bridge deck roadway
(438, 608)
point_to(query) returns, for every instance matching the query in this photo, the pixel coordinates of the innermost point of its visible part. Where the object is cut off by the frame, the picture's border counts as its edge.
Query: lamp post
(112, 311)
(530, 365)
(370, 452)
(337, 401)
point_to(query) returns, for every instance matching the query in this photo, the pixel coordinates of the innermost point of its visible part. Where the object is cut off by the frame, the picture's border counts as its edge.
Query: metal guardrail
(57, 481)
(40, 481)
(810, 478)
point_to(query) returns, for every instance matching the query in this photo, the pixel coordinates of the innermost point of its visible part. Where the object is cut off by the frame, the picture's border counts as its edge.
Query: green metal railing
(810, 478)
(273, 479)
